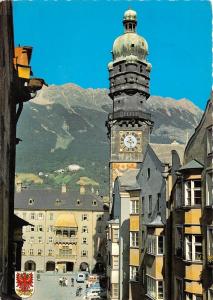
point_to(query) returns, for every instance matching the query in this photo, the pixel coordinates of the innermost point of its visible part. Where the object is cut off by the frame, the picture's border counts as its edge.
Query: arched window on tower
(120, 68)
(141, 69)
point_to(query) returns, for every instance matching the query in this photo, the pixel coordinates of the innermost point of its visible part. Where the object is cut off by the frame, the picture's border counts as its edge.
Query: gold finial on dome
(130, 15)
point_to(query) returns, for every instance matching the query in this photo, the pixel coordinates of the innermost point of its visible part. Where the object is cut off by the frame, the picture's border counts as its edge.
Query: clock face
(130, 141)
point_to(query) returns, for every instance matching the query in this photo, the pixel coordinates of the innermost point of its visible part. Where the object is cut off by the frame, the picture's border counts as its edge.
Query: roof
(18, 222)
(55, 200)
(66, 220)
(163, 151)
(129, 179)
(193, 164)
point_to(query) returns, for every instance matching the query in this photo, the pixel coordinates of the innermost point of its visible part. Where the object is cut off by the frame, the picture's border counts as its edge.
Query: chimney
(63, 188)
(82, 189)
(18, 187)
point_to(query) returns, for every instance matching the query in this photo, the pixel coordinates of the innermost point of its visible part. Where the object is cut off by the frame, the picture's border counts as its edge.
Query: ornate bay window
(133, 273)
(155, 288)
(193, 247)
(155, 244)
(190, 296)
(133, 239)
(192, 192)
(134, 206)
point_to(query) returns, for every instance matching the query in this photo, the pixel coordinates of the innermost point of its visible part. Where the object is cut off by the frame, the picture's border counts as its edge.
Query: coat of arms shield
(24, 284)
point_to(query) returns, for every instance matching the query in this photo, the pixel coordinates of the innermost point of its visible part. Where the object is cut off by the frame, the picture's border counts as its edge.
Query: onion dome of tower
(130, 43)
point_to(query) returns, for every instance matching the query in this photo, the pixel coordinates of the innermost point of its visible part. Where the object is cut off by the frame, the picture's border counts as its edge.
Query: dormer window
(78, 202)
(31, 201)
(57, 201)
(94, 202)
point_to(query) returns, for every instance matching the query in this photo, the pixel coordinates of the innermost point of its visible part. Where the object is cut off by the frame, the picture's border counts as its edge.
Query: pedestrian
(60, 281)
(72, 281)
(66, 281)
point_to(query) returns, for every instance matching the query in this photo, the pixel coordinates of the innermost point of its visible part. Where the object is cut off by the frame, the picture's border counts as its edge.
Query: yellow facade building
(67, 232)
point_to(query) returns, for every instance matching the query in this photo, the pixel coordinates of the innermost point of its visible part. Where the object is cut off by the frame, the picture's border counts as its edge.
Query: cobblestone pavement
(48, 288)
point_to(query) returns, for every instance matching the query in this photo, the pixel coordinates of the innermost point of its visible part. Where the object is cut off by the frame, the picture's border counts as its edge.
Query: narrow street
(48, 287)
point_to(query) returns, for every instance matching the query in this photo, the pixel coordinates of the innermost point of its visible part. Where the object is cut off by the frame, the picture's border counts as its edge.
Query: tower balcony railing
(130, 86)
(130, 114)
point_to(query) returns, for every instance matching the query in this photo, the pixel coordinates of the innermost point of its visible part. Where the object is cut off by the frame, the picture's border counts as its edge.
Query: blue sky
(72, 41)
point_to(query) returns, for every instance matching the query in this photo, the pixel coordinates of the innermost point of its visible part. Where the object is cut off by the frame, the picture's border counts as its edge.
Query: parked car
(81, 277)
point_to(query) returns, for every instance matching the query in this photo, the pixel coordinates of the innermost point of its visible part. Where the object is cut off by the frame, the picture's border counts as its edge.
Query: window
(160, 289)
(192, 192)
(31, 251)
(32, 216)
(115, 291)
(209, 140)
(178, 289)
(65, 251)
(115, 262)
(39, 251)
(158, 201)
(99, 217)
(50, 228)
(32, 228)
(133, 273)
(85, 229)
(160, 247)
(40, 216)
(84, 253)
(50, 252)
(84, 217)
(155, 288)
(23, 251)
(190, 296)
(179, 241)
(32, 239)
(84, 240)
(51, 217)
(148, 173)
(150, 204)
(193, 247)
(50, 239)
(40, 228)
(134, 207)
(115, 235)
(40, 239)
(155, 244)
(210, 244)
(209, 189)
(120, 68)
(31, 201)
(94, 202)
(99, 230)
(142, 205)
(133, 239)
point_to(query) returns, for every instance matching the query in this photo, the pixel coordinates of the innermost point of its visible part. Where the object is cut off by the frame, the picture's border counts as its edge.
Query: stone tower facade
(128, 125)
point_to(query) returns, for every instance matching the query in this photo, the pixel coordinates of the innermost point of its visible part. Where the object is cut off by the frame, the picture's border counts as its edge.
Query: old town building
(67, 232)
(160, 229)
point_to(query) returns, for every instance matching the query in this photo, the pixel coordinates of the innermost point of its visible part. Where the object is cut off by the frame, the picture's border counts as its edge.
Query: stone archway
(50, 266)
(30, 265)
(84, 267)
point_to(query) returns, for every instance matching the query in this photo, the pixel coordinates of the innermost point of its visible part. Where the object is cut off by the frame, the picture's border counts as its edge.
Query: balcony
(65, 240)
(64, 256)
